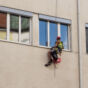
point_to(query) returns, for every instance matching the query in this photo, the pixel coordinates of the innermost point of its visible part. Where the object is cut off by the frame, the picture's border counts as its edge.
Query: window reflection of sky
(53, 33)
(43, 33)
(64, 35)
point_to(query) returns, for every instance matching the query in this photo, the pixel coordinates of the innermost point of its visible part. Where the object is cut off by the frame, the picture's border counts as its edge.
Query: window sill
(50, 47)
(39, 46)
(67, 50)
(15, 42)
(43, 46)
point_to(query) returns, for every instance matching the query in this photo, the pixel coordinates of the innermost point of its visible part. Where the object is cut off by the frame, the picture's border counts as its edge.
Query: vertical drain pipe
(79, 44)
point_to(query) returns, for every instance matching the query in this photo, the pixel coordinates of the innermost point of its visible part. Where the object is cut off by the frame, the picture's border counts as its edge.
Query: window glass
(25, 30)
(53, 33)
(3, 27)
(87, 40)
(14, 28)
(43, 33)
(64, 35)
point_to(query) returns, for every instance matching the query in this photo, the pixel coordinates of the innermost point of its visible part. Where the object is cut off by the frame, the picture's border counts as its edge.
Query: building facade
(28, 29)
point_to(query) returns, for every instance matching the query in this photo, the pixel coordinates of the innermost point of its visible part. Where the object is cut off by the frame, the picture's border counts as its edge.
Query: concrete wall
(83, 21)
(22, 66)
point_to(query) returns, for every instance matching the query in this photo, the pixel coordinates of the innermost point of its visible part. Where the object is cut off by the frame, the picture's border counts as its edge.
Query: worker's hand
(59, 53)
(51, 48)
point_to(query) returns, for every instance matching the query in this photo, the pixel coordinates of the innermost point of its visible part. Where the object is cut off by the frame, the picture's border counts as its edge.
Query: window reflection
(53, 33)
(14, 28)
(3, 28)
(25, 31)
(64, 35)
(43, 37)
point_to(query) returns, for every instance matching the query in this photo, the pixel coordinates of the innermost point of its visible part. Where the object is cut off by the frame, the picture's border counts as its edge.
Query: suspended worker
(54, 51)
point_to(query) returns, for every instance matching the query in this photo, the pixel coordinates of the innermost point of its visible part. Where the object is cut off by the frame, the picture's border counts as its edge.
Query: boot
(49, 63)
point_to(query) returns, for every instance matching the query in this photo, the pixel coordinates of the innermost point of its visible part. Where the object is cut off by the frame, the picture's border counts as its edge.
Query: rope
(56, 18)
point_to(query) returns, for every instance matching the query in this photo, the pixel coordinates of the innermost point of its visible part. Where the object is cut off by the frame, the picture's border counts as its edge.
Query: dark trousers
(54, 57)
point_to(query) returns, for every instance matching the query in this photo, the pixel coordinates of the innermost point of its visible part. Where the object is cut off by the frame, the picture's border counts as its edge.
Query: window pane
(14, 28)
(64, 36)
(25, 30)
(43, 33)
(3, 23)
(53, 33)
(87, 40)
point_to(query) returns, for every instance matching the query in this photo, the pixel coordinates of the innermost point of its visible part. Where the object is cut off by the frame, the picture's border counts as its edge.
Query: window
(53, 33)
(54, 26)
(49, 30)
(19, 29)
(87, 40)
(64, 35)
(43, 35)
(47, 33)
(25, 30)
(3, 25)
(14, 28)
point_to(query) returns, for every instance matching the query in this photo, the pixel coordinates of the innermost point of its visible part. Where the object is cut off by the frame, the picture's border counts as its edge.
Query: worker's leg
(60, 51)
(50, 59)
(54, 55)
(49, 63)
(49, 54)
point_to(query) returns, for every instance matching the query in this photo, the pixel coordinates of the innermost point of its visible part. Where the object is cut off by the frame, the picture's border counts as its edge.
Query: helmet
(58, 37)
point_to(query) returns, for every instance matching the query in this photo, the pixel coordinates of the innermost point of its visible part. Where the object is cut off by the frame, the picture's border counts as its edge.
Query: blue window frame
(53, 33)
(64, 35)
(43, 33)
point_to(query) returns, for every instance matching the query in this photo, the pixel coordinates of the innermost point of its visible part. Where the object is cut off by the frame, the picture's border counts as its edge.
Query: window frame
(58, 29)
(86, 28)
(39, 34)
(50, 29)
(9, 12)
(48, 33)
(68, 37)
(10, 28)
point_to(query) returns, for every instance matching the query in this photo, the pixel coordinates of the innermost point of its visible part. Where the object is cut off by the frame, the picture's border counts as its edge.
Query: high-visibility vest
(60, 45)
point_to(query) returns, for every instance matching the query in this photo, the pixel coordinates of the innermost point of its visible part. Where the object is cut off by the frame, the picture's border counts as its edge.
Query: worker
(54, 51)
